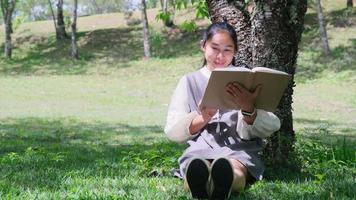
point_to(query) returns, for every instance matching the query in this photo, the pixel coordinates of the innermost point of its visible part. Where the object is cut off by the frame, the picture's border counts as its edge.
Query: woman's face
(219, 50)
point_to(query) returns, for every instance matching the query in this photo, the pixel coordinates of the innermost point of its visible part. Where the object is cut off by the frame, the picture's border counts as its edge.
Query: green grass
(93, 128)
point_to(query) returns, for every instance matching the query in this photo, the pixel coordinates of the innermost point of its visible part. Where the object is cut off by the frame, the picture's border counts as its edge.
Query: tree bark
(7, 8)
(268, 36)
(322, 29)
(61, 29)
(75, 53)
(146, 34)
(349, 4)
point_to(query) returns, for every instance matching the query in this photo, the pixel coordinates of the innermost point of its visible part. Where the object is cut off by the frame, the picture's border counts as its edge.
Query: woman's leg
(240, 175)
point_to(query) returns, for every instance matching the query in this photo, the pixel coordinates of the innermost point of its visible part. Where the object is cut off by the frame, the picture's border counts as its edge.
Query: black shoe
(197, 176)
(222, 177)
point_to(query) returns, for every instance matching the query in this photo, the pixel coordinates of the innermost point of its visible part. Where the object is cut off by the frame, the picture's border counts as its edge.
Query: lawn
(93, 128)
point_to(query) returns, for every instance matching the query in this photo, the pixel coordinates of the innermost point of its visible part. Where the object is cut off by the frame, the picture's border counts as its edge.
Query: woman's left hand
(242, 97)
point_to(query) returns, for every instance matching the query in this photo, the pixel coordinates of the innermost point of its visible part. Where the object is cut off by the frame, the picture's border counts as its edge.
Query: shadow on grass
(313, 61)
(56, 155)
(114, 48)
(38, 153)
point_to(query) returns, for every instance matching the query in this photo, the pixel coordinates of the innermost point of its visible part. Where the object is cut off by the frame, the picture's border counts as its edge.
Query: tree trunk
(53, 17)
(8, 45)
(322, 29)
(146, 34)
(162, 4)
(169, 22)
(75, 53)
(61, 29)
(7, 8)
(349, 4)
(268, 36)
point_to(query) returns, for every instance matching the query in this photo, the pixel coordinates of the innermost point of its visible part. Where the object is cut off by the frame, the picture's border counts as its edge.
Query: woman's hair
(215, 28)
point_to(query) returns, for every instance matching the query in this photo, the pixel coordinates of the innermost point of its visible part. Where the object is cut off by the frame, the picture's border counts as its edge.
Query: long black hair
(215, 28)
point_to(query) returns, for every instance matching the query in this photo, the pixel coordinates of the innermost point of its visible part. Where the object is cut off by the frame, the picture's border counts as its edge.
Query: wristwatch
(248, 114)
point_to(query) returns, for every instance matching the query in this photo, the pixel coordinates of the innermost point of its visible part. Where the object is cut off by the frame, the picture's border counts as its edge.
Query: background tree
(75, 53)
(61, 28)
(322, 29)
(349, 4)
(268, 36)
(146, 34)
(59, 24)
(168, 22)
(7, 9)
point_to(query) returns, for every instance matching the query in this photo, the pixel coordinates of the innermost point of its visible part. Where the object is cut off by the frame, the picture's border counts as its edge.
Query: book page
(215, 95)
(273, 83)
(268, 70)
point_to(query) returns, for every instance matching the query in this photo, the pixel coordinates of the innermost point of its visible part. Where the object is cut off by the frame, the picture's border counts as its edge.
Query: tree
(349, 4)
(268, 36)
(146, 34)
(7, 9)
(322, 29)
(75, 53)
(61, 28)
(59, 24)
(168, 20)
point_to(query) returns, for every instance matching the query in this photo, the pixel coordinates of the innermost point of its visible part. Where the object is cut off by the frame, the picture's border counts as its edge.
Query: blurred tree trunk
(268, 36)
(322, 29)
(162, 3)
(53, 17)
(169, 22)
(61, 28)
(75, 53)
(349, 4)
(7, 9)
(146, 34)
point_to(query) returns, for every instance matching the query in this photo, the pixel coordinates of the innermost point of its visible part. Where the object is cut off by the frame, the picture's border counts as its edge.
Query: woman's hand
(201, 120)
(207, 113)
(242, 97)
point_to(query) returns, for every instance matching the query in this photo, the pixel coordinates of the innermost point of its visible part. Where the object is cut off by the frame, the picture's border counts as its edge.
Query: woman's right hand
(201, 120)
(207, 113)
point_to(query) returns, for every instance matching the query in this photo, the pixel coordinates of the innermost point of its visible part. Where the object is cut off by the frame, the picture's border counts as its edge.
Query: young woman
(223, 144)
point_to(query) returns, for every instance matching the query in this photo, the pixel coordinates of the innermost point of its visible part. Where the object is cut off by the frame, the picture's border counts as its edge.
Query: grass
(93, 128)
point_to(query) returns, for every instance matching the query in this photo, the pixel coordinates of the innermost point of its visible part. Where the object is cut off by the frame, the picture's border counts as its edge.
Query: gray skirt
(246, 152)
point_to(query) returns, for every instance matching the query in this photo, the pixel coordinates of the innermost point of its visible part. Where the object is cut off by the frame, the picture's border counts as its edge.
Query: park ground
(93, 128)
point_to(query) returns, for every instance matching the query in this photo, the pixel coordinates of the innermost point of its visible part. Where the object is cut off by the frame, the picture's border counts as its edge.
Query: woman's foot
(197, 176)
(222, 177)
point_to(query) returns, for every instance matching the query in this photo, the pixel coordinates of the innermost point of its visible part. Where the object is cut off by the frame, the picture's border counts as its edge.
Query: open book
(273, 83)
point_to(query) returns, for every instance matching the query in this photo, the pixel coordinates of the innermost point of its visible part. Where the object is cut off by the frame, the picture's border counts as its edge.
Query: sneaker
(222, 177)
(197, 176)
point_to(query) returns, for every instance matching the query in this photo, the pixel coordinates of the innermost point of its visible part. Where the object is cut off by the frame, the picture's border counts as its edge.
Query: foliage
(19, 19)
(201, 12)
(34, 9)
(188, 26)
